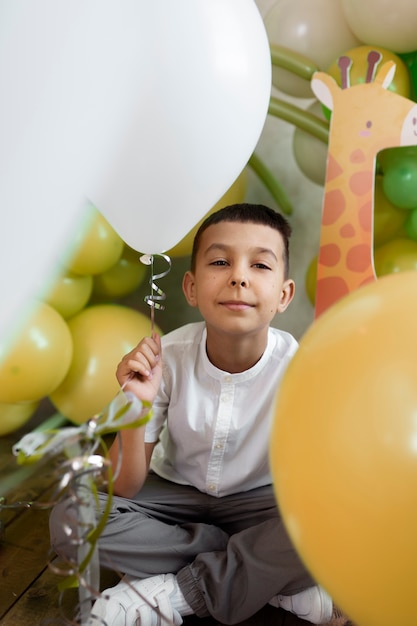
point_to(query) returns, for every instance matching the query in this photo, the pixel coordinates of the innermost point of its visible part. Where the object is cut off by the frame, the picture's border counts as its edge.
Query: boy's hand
(140, 370)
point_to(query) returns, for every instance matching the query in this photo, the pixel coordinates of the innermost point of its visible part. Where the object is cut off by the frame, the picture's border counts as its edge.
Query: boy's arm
(139, 372)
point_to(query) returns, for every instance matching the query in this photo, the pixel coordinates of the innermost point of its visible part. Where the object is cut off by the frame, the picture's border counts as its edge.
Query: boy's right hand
(140, 370)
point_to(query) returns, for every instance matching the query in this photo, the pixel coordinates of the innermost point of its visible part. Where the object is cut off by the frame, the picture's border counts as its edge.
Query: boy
(201, 533)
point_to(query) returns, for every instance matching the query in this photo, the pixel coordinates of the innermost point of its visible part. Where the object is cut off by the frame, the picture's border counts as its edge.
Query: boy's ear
(188, 287)
(287, 294)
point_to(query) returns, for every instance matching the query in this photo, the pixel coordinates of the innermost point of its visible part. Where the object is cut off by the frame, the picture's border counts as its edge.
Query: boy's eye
(219, 262)
(262, 266)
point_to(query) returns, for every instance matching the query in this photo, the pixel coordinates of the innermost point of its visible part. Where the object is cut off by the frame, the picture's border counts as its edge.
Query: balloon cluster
(81, 326)
(75, 333)
(306, 37)
(343, 453)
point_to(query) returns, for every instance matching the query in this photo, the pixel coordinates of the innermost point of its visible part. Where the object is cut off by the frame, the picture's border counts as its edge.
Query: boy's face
(238, 283)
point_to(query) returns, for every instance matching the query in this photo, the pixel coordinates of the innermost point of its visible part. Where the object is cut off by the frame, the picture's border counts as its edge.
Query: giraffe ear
(385, 74)
(323, 87)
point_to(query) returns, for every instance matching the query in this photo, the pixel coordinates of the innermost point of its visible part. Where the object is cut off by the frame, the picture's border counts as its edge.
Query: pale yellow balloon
(122, 278)
(14, 416)
(39, 358)
(96, 245)
(101, 335)
(309, 152)
(69, 293)
(318, 30)
(391, 24)
(234, 195)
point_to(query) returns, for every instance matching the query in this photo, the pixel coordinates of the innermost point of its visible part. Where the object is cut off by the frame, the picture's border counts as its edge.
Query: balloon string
(157, 296)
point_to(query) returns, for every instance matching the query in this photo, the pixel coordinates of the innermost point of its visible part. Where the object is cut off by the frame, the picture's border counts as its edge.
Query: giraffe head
(366, 118)
(367, 115)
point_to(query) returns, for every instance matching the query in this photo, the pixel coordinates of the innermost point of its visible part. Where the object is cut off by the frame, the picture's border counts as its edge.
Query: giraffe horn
(373, 59)
(344, 63)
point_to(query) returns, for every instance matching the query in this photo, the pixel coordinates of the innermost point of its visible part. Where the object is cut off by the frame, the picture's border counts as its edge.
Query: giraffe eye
(368, 124)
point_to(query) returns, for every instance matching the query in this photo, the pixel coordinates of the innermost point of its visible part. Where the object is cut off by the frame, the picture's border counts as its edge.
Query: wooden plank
(24, 554)
(36, 485)
(42, 603)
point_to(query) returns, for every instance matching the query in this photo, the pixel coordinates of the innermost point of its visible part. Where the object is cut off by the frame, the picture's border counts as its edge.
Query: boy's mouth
(236, 305)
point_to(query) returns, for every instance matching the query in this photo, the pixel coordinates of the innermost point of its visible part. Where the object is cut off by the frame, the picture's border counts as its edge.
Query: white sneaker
(134, 602)
(313, 605)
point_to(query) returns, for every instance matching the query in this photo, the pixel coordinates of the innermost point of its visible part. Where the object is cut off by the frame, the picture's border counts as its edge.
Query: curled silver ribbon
(77, 478)
(157, 296)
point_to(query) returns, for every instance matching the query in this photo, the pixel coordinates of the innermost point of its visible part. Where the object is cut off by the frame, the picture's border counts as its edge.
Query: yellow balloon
(397, 255)
(122, 278)
(96, 246)
(388, 219)
(358, 71)
(69, 293)
(344, 451)
(234, 195)
(38, 360)
(14, 416)
(101, 335)
(311, 280)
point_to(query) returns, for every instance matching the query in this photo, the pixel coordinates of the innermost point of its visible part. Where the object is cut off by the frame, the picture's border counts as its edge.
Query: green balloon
(400, 179)
(411, 225)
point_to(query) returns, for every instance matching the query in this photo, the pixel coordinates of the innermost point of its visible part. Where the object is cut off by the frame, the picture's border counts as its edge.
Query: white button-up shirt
(214, 426)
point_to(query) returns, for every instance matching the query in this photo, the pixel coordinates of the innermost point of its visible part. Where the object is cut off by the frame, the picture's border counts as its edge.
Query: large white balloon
(150, 110)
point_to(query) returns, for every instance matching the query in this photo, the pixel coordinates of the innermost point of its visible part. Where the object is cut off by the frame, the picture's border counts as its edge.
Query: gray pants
(231, 554)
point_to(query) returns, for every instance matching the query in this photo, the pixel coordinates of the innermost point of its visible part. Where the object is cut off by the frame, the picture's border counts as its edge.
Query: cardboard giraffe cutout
(366, 118)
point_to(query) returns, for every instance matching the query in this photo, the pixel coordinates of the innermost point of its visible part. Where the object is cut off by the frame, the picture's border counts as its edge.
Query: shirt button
(227, 379)
(219, 446)
(212, 487)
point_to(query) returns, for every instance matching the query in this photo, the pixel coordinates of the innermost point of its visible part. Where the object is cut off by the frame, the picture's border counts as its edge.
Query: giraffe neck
(345, 260)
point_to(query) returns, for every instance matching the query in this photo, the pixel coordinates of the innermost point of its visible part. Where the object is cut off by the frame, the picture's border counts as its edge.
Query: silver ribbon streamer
(157, 296)
(78, 476)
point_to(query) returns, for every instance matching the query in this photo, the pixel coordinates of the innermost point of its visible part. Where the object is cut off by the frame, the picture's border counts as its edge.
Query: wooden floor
(29, 588)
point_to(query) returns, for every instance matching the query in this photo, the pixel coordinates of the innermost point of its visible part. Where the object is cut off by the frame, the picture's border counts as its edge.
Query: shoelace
(145, 613)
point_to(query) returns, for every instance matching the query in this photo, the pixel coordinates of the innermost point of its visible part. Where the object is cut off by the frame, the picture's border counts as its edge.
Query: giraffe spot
(329, 254)
(361, 182)
(357, 156)
(335, 206)
(358, 258)
(328, 291)
(365, 216)
(347, 231)
(333, 168)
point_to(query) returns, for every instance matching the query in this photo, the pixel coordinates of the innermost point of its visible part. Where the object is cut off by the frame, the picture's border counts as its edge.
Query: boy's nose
(240, 282)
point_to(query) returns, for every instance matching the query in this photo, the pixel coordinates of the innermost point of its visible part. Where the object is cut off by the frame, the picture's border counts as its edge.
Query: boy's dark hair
(247, 213)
